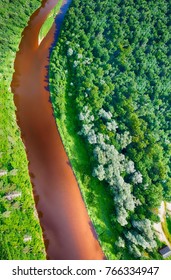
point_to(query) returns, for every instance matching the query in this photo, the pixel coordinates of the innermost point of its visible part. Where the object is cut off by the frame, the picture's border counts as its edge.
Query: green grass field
(168, 220)
(49, 21)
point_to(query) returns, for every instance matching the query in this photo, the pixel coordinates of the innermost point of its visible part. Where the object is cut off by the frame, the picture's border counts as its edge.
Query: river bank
(16, 198)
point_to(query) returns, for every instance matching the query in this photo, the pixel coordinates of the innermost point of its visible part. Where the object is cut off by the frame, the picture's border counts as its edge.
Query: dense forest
(110, 88)
(20, 232)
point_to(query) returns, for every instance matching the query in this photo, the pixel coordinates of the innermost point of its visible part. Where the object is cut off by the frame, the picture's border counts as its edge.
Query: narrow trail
(158, 226)
(67, 230)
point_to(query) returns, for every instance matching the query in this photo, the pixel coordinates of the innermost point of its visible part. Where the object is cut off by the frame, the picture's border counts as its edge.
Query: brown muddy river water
(67, 230)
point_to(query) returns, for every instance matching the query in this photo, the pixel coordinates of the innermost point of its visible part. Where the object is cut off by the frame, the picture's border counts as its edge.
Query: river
(67, 230)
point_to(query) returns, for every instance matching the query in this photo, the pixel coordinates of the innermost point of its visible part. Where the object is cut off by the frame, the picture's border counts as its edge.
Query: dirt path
(67, 229)
(158, 226)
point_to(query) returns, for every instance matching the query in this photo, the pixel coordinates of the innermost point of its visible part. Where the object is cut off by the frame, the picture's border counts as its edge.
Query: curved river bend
(67, 230)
